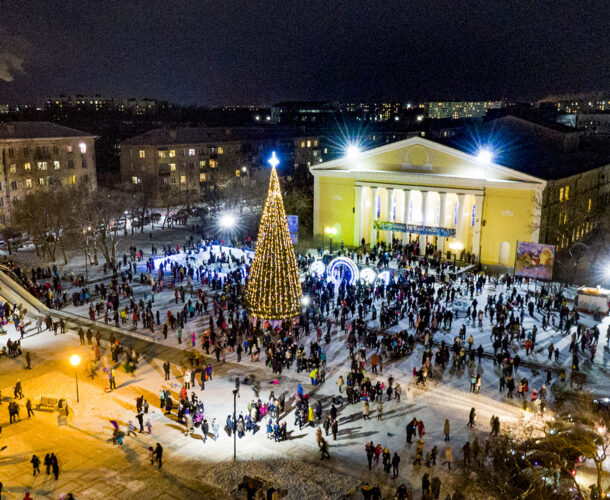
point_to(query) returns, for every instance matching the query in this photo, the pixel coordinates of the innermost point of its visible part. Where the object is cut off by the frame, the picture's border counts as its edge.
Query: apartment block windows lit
(142, 153)
(28, 183)
(83, 148)
(27, 166)
(56, 165)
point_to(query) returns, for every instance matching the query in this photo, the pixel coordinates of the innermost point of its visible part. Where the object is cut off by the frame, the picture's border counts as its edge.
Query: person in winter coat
(367, 491)
(419, 452)
(435, 486)
(365, 411)
(466, 450)
(310, 416)
(334, 429)
(387, 460)
(425, 484)
(370, 451)
(397, 392)
(471, 417)
(402, 493)
(395, 462)
(448, 456)
(378, 450)
(421, 430)
(379, 409)
(447, 429)
(35, 461)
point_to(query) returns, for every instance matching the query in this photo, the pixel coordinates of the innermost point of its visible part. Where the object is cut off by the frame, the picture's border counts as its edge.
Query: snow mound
(299, 479)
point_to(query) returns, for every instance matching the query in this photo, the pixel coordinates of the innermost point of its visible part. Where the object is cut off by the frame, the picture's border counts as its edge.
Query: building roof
(533, 148)
(202, 135)
(38, 130)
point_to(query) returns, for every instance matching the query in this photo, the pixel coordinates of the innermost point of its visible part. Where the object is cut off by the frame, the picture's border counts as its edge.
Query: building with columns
(420, 190)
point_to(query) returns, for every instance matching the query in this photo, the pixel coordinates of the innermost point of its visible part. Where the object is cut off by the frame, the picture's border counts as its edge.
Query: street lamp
(235, 394)
(74, 361)
(331, 231)
(455, 247)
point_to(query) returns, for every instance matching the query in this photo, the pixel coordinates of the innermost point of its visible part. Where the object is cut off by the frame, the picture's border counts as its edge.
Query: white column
(407, 213)
(373, 196)
(424, 219)
(476, 235)
(442, 219)
(357, 215)
(316, 206)
(389, 195)
(459, 224)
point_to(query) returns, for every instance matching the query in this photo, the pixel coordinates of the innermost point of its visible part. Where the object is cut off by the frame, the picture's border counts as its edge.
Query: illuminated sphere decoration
(317, 267)
(342, 269)
(368, 275)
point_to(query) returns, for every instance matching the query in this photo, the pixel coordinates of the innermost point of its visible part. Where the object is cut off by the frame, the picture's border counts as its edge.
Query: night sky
(263, 51)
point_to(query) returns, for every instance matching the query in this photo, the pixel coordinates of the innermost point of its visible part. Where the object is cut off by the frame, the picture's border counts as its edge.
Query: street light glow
(227, 221)
(274, 160)
(74, 359)
(485, 156)
(352, 152)
(331, 231)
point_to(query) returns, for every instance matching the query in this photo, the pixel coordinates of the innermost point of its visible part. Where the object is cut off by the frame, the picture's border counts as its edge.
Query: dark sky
(262, 51)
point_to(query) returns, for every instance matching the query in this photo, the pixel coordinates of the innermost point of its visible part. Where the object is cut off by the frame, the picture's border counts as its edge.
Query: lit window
(41, 181)
(560, 194)
(72, 179)
(202, 177)
(28, 183)
(83, 148)
(27, 166)
(325, 150)
(213, 163)
(172, 167)
(191, 152)
(135, 180)
(56, 165)
(220, 151)
(308, 144)
(183, 179)
(565, 217)
(172, 153)
(12, 169)
(302, 144)
(161, 154)
(315, 144)
(237, 173)
(42, 165)
(589, 205)
(201, 163)
(69, 149)
(142, 153)
(567, 193)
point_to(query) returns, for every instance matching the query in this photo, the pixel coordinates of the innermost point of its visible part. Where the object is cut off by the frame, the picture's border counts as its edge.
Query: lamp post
(74, 361)
(235, 393)
(455, 247)
(331, 231)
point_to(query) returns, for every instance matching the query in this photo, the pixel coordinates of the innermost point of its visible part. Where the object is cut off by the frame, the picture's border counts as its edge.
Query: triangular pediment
(421, 156)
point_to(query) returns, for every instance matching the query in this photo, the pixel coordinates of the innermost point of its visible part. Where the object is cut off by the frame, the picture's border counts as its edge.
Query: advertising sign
(534, 260)
(293, 227)
(411, 228)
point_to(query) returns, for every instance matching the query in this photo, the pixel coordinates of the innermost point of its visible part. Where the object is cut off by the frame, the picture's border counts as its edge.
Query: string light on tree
(274, 290)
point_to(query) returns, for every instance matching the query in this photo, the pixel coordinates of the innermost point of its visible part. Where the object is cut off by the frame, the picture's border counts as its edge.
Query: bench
(48, 404)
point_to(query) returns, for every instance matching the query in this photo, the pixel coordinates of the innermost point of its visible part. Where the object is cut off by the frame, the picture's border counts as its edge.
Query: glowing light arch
(342, 268)
(368, 275)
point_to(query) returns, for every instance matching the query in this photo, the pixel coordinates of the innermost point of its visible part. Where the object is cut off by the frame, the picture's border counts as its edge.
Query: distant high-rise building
(302, 112)
(459, 109)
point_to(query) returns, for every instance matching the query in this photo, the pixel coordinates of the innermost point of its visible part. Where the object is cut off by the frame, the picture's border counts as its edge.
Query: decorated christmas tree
(274, 290)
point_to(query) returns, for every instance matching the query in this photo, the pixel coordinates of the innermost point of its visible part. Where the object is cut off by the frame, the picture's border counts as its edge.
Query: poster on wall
(534, 260)
(293, 227)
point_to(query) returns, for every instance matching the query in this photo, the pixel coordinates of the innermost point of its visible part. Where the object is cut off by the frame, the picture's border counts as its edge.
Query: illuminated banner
(534, 260)
(409, 228)
(293, 228)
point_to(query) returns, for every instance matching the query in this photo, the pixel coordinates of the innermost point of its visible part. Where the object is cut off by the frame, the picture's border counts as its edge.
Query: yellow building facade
(417, 189)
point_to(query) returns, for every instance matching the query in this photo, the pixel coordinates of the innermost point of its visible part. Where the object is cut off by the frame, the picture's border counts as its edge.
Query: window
(84, 178)
(172, 167)
(308, 144)
(173, 180)
(72, 180)
(589, 205)
(302, 144)
(70, 164)
(201, 163)
(567, 192)
(202, 178)
(84, 163)
(27, 166)
(12, 168)
(191, 152)
(183, 179)
(315, 144)
(560, 194)
(220, 150)
(325, 150)
(142, 153)
(565, 217)
(213, 163)
(135, 180)
(2, 217)
(237, 173)
(162, 154)
(69, 149)
(26, 152)
(42, 181)
(11, 152)
(42, 165)
(28, 183)
(83, 148)
(55, 150)
(182, 152)
(56, 165)
(13, 184)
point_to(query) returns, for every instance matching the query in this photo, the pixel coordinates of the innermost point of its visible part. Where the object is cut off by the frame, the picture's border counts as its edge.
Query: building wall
(30, 165)
(336, 198)
(507, 218)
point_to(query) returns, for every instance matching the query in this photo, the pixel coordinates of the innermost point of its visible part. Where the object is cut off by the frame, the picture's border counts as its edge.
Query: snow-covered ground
(294, 464)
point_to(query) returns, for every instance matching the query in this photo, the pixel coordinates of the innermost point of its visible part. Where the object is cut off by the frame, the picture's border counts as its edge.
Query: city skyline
(268, 52)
